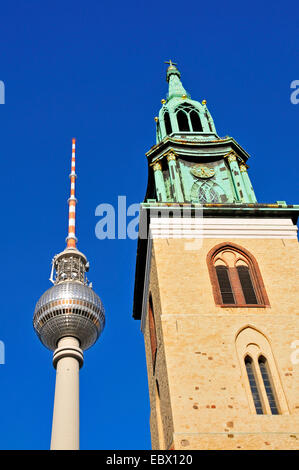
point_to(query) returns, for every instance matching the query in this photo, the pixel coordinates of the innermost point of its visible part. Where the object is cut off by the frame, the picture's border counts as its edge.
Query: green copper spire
(180, 115)
(190, 163)
(173, 77)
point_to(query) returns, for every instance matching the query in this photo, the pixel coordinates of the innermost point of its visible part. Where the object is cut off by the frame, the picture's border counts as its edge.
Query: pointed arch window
(251, 374)
(152, 331)
(261, 378)
(167, 123)
(225, 284)
(188, 118)
(183, 122)
(247, 284)
(195, 121)
(235, 277)
(268, 384)
(207, 193)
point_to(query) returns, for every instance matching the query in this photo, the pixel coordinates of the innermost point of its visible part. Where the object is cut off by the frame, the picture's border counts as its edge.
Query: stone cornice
(212, 148)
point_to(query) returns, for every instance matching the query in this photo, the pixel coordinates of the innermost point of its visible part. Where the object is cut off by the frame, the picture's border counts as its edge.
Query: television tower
(68, 318)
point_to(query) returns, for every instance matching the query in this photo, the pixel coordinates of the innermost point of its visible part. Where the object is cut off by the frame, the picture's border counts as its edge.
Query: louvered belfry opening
(225, 285)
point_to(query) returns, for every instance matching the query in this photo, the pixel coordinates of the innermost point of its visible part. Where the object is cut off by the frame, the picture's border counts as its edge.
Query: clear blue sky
(95, 71)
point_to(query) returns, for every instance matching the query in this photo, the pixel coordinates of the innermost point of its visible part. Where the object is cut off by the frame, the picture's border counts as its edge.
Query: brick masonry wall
(158, 373)
(204, 403)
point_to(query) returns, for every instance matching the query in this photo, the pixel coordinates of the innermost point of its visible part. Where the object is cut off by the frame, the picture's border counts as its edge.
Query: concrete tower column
(67, 359)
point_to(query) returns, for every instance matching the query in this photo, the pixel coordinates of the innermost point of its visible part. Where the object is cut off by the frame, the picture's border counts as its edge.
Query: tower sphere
(69, 308)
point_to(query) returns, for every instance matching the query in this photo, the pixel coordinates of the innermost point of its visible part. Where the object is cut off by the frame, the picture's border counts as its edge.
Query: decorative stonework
(171, 156)
(236, 253)
(243, 168)
(202, 171)
(254, 343)
(231, 158)
(157, 167)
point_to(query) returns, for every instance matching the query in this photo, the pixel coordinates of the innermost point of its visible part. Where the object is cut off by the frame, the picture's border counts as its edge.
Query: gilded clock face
(202, 171)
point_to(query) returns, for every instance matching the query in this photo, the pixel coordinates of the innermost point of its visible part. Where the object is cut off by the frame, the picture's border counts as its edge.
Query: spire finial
(71, 238)
(172, 69)
(171, 64)
(173, 77)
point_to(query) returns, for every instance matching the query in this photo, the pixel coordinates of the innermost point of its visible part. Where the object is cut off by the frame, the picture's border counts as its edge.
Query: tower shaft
(65, 427)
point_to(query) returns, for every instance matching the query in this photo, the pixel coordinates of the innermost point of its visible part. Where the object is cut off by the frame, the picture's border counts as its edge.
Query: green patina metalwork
(205, 168)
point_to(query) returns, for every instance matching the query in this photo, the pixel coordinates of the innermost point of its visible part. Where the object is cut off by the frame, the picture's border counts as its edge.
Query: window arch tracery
(207, 192)
(259, 372)
(188, 118)
(235, 277)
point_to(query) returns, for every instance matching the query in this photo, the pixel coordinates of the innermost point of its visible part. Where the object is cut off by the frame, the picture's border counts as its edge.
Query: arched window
(167, 123)
(225, 284)
(261, 378)
(207, 193)
(246, 284)
(253, 385)
(183, 121)
(188, 118)
(152, 331)
(265, 372)
(235, 277)
(195, 121)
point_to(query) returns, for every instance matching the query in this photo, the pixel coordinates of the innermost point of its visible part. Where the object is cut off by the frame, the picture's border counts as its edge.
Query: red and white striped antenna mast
(71, 238)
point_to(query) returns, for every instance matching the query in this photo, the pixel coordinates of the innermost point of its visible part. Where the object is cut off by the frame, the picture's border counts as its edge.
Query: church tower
(215, 290)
